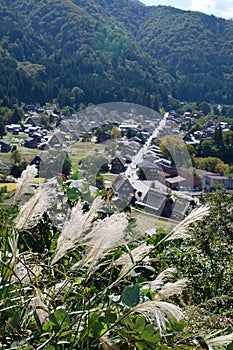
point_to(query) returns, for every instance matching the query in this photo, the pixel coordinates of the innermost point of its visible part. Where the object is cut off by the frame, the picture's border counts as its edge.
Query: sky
(219, 8)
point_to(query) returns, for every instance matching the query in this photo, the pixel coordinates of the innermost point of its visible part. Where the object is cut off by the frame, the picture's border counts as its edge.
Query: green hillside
(195, 48)
(101, 51)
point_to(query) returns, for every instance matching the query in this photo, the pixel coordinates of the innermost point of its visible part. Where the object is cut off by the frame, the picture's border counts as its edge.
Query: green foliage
(2, 129)
(206, 259)
(69, 305)
(189, 44)
(212, 164)
(131, 295)
(17, 169)
(219, 146)
(102, 51)
(15, 156)
(174, 149)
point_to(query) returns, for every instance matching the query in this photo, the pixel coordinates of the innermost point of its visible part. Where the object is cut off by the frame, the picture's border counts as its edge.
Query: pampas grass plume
(32, 211)
(221, 341)
(180, 230)
(130, 259)
(156, 312)
(74, 227)
(106, 235)
(25, 181)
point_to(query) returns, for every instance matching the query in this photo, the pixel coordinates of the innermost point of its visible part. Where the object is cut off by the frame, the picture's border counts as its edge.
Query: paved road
(131, 170)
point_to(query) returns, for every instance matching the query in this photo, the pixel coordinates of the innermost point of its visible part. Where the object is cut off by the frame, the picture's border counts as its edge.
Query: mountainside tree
(101, 51)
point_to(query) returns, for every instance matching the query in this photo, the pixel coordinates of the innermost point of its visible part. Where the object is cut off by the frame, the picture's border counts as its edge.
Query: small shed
(5, 146)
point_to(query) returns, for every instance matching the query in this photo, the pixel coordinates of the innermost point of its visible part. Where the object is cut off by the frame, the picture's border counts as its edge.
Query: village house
(56, 140)
(211, 182)
(124, 192)
(5, 146)
(174, 182)
(118, 165)
(30, 142)
(180, 207)
(14, 128)
(37, 136)
(151, 157)
(33, 120)
(153, 202)
(122, 187)
(147, 170)
(37, 161)
(183, 180)
(5, 168)
(31, 108)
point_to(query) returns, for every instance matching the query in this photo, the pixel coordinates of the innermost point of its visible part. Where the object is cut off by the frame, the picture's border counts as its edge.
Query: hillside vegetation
(100, 51)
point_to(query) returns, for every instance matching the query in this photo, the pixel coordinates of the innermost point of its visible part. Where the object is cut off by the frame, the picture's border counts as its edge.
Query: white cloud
(219, 8)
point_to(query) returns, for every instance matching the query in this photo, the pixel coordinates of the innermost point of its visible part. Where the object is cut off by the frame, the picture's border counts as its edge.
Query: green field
(79, 150)
(147, 221)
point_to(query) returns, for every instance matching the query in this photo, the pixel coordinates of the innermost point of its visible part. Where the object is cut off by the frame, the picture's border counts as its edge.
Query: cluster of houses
(153, 184)
(198, 136)
(158, 187)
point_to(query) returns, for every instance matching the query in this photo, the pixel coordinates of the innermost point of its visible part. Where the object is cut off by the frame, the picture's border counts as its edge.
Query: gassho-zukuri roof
(154, 199)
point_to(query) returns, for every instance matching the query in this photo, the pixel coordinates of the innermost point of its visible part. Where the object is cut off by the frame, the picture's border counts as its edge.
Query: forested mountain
(101, 50)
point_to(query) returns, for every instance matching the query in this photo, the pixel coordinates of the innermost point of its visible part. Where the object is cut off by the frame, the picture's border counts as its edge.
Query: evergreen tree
(17, 116)
(2, 130)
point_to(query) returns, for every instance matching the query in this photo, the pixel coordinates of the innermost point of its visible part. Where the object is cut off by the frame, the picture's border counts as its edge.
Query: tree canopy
(112, 51)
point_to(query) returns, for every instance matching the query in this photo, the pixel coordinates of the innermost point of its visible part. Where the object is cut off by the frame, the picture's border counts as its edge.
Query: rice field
(10, 186)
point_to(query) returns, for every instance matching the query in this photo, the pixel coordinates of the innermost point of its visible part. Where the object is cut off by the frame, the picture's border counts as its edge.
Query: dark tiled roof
(119, 182)
(179, 208)
(7, 143)
(155, 199)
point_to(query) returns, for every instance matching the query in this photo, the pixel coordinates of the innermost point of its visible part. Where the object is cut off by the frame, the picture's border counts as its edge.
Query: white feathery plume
(170, 289)
(32, 211)
(156, 312)
(160, 279)
(64, 285)
(180, 230)
(13, 243)
(90, 215)
(105, 235)
(129, 260)
(107, 344)
(25, 272)
(221, 341)
(74, 227)
(39, 307)
(24, 182)
(70, 234)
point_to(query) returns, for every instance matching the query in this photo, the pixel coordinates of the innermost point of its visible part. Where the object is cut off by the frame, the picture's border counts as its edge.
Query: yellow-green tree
(175, 150)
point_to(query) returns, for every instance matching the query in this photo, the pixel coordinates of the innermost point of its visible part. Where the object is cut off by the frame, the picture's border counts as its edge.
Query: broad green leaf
(110, 317)
(178, 326)
(140, 324)
(131, 295)
(15, 320)
(73, 194)
(139, 345)
(129, 323)
(149, 334)
(96, 329)
(60, 319)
